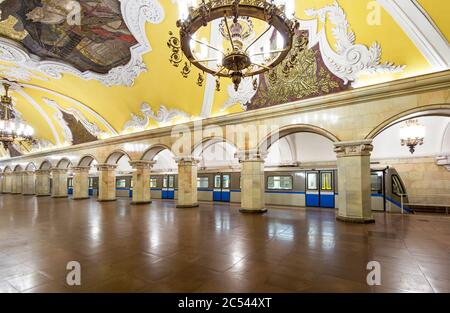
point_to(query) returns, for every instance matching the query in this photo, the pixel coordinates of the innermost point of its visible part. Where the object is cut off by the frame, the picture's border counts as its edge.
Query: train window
(397, 187)
(226, 182)
(91, 182)
(327, 181)
(279, 182)
(165, 182)
(171, 181)
(153, 182)
(132, 183)
(312, 181)
(70, 182)
(377, 183)
(121, 183)
(217, 182)
(202, 182)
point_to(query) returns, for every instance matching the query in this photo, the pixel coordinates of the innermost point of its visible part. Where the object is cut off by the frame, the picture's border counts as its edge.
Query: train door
(91, 186)
(70, 186)
(221, 188)
(312, 189)
(320, 189)
(168, 190)
(326, 189)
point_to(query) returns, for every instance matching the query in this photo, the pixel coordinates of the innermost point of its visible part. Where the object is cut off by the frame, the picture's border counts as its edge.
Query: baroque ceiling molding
(242, 96)
(348, 60)
(135, 14)
(92, 128)
(141, 122)
(421, 29)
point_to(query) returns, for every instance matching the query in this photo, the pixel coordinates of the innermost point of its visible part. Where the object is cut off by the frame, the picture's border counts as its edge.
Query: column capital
(81, 168)
(142, 164)
(106, 167)
(29, 173)
(59, 170)
(42, 171)
(253, 155)
(353, 148)
(187, 159)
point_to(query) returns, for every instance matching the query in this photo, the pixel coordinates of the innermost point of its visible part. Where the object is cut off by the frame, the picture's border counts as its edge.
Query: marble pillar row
(17, 182)
(42, 188)
(59, 183)
(187, 182)
(106, 182)
(353, 167)
(28, 188)
(141, 181)
(80, 182)
(252, 182)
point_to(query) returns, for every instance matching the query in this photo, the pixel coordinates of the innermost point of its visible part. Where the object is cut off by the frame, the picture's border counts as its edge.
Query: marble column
(28, 188)
(80, 182)
(141, 181)
(42, 183)
(17, 182)
(353, 165)
(59, 183)
(7, 182)
(187, 182)
(2, 182)
(252, 182)
(106, 182)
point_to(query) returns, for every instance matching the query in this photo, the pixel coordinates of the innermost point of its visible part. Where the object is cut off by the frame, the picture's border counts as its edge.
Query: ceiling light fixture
(412, 134)
(258, 36)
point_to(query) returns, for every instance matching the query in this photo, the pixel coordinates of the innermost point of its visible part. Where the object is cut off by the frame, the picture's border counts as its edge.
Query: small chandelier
(242, 54)
(412, 134)
(11, 129)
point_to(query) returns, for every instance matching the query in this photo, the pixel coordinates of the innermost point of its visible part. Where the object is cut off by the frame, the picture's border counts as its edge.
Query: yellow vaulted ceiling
(162, 84)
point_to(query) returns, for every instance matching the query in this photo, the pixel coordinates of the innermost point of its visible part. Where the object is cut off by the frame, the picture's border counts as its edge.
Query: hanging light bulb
(183, 9)
(289, 8)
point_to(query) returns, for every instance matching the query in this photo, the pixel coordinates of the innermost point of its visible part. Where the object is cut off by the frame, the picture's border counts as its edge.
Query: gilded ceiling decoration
(307, 78)
(90, 35)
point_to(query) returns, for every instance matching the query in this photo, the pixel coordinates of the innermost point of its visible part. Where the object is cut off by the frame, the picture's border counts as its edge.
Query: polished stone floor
(158, 248)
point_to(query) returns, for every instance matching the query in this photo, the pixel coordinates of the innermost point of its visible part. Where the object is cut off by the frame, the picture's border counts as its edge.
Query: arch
(207, 142)
(30, 167)
(87, 160)
(430, 110)
(114, 157)
(18, 168)
(153, 151)
(7, 169)
(45, 165)
(265, 144)
(64, 163)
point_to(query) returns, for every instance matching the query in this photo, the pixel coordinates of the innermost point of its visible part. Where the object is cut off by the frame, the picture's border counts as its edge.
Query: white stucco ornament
(136, 13)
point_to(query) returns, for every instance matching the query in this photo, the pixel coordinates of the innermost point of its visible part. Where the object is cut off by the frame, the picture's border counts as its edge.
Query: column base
(357, 220)
(58, 197)
(28, 194)
(43, 195)
(187, 206)
(253, 211)
(106, 200)
(141, 202)
(80, 198)
(16, 193)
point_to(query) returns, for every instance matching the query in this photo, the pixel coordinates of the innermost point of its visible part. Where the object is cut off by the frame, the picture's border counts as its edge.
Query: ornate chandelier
(412, 134)
(11, 128)
(257, 36)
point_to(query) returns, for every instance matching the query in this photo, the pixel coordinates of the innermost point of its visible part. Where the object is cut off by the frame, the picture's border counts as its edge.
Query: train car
(70, 185)
(283, 187)
(93, 186)
(124, 186)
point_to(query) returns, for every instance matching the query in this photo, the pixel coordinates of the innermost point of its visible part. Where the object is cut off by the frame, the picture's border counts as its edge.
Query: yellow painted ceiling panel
(438, 10)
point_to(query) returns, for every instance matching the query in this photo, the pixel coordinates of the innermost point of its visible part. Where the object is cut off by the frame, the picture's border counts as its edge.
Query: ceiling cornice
(419, 84)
